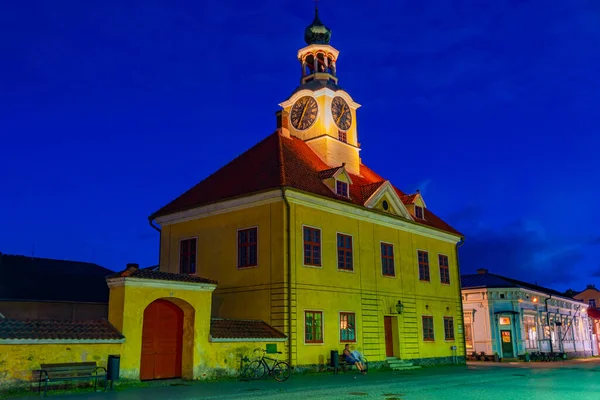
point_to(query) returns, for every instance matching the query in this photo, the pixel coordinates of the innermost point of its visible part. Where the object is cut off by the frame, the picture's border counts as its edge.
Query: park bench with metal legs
(50, 373)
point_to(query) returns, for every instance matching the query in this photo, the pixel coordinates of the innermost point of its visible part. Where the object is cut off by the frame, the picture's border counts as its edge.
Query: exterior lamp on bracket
(399, 307)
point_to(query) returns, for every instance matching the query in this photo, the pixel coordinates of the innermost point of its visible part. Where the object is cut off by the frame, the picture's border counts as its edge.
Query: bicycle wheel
(255, 370)
(281, 371)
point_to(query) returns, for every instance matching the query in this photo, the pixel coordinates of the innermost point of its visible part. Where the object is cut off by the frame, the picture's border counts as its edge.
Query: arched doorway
(162, 339)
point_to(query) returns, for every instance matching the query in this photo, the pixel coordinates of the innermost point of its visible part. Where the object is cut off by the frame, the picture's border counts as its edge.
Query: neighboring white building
(511, 317)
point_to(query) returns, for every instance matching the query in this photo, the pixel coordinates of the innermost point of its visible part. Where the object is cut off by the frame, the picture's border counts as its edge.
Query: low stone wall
(224, 359)
(18, 361)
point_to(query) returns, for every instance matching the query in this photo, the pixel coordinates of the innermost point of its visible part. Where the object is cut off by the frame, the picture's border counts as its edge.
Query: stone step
(405, 367)
(398, 361)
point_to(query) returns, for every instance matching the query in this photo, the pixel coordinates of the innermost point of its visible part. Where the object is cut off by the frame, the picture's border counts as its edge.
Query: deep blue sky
(109, 109)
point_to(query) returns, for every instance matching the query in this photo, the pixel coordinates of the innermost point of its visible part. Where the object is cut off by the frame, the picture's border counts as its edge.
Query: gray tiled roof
(488, 280)
(45, 279)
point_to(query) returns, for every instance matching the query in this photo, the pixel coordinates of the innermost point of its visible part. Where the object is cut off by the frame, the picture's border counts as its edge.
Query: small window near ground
(468, 336)
(428, 329)
(347, 327)
(448, 328)
(187, 256)
(313, 326)
(341, 188)
(592, 303)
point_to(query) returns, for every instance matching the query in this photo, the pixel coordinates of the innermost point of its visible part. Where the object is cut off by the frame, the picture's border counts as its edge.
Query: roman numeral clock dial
(342, 116)
(304, 113)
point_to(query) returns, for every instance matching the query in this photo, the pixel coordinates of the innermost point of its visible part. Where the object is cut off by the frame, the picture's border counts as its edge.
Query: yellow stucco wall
(225, 357)
(333, 291)
(240, 293)
(17, 361)
(196, 308)
(261, 293)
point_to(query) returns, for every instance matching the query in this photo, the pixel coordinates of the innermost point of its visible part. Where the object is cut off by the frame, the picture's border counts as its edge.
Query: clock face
(304, 113)
(342, 116)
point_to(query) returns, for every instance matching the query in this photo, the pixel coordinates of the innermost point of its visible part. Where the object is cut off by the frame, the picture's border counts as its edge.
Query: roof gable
(387, 190)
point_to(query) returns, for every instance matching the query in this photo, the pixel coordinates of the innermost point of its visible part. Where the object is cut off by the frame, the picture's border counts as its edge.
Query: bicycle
(257, 368)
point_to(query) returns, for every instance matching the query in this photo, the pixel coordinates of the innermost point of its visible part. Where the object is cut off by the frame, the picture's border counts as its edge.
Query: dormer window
(341, 188)
(419, 212)
(342, 136)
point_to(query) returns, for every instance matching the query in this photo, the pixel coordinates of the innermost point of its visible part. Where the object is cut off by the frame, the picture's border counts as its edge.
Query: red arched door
(162, 337)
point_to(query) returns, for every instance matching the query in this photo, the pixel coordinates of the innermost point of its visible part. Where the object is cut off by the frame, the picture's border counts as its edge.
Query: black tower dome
(317, 33)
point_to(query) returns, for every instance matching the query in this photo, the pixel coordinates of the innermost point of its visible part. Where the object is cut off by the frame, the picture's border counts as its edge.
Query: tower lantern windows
(318, 63)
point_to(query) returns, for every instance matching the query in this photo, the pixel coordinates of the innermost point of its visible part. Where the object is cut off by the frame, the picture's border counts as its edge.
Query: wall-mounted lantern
(399, 307)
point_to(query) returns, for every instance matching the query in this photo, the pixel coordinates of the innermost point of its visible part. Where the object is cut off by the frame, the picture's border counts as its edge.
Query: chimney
(482, 271)
(133, 266)
(282, 123)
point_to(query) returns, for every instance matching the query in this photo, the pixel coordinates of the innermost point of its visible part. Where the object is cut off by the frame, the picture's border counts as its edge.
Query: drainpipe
(289, 273)
(548, 323)
(462, 315)
(151, 222)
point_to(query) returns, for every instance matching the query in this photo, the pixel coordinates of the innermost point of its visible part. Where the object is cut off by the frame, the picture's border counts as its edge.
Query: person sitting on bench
(350, 359)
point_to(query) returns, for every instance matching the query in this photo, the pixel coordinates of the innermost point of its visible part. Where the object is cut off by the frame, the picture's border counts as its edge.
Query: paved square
(489, 381)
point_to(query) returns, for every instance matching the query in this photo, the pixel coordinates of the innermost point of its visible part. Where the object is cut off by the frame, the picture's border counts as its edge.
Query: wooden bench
(70, 372)
(343, 365)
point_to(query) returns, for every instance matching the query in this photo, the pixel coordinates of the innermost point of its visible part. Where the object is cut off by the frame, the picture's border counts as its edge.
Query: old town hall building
(299, 233)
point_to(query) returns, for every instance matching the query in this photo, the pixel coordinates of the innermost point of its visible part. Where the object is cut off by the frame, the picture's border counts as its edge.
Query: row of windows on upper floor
(313, 327)
(247, 254)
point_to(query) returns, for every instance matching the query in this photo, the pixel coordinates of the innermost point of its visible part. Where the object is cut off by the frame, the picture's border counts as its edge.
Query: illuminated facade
(299, 233)
(510, 317)
(591, 297)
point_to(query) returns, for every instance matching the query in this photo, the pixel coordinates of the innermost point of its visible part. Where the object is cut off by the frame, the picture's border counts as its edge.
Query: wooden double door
(162, 340)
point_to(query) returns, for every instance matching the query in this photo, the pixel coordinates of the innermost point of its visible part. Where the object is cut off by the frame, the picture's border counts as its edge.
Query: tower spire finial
(317, 33)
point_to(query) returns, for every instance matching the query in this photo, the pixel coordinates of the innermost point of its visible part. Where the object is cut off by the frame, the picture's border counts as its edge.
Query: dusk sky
(110, 109)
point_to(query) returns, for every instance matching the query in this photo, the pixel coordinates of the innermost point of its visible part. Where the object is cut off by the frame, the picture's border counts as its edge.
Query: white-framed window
(313, 326)
(312, 246)
(531, 338)
(347, 327)
(341, 188)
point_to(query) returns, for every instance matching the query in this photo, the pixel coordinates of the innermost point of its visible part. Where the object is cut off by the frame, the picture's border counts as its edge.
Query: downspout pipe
(462, 314)
(151, 222)
(548, 323)
(288, 229)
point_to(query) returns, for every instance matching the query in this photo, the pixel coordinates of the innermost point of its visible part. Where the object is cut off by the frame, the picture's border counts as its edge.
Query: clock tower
(319, 111)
